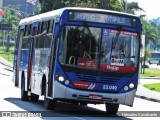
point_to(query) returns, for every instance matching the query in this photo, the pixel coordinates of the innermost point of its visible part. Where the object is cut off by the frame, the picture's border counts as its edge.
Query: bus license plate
(95, 97)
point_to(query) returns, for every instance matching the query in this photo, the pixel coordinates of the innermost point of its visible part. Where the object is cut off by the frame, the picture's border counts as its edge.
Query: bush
(145, 66)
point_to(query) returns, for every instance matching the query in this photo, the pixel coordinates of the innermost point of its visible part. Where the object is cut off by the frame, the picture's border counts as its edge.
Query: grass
(153, 86)
(7, 55)
(151, 72)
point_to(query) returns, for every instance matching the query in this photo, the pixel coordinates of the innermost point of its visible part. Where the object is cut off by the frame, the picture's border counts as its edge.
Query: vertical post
(8, 41)
(26, 7)
(144, 62)
(3, 39)
(126, 6)
(141, 63)
(8, 37)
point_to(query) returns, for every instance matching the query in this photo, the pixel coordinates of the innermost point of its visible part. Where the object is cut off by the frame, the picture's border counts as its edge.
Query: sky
(151, 7)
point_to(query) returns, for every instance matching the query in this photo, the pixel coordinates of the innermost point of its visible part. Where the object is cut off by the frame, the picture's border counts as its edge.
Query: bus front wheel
(111, 108)
(24, 94)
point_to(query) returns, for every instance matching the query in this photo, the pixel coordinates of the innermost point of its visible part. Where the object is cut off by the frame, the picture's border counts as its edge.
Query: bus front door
(31, 57)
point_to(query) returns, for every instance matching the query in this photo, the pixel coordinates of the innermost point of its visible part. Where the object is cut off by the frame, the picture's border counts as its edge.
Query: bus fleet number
(109, 87)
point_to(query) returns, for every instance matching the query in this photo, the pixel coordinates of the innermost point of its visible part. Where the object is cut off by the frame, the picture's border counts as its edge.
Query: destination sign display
(102, 18)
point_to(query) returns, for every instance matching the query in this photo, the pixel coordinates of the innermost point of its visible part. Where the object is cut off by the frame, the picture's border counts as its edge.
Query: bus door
(17, 55)
(31, 55)
(52, 59)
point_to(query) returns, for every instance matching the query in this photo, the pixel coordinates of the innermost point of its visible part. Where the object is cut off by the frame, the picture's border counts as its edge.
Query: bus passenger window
(28, 30)
(45, 25)
(51, 26)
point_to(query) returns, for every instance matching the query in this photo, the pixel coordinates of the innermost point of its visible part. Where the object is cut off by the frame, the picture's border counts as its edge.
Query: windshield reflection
(99, 49)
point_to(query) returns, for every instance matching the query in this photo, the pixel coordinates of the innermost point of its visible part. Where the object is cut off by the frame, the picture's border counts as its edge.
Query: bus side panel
(23, 66)
(14, 80)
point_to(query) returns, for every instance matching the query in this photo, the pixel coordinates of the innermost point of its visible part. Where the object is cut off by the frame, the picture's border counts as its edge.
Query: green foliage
(11, 17)
(148, 53)
(79, 3)
(151, 72)
(7, 55)
(132, 7)
(48, 5)
(153, 86)
(115, 5)
(150, 32)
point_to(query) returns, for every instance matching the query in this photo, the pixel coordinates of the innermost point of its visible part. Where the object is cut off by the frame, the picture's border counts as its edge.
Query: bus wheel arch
(43, 84)
(48, 103)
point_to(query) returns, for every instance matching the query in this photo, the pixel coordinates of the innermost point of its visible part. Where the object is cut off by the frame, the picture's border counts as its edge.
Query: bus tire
(24, 94)
(48, 103)
(83, 103)
(111, 108)
(34, 97)
(74, 103)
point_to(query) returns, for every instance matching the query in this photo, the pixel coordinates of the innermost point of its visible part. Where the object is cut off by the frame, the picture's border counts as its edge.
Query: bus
(155, 58)
(69, 64)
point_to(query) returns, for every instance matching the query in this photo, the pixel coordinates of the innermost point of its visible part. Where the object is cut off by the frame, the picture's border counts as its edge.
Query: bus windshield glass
(99, 49)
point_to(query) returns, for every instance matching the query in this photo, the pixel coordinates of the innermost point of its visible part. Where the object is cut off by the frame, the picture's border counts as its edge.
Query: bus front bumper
(63, 92)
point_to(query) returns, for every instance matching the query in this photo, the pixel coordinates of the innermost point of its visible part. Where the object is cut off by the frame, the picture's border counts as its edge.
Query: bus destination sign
(102, 18)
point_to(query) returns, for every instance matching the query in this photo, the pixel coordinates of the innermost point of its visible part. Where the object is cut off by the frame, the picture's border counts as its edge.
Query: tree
(48, 5)
(132, 7)
(10, 18)
(150, 32)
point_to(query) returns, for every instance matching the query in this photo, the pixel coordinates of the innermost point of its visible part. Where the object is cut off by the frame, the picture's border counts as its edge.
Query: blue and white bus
(68, 63)
(155, 58)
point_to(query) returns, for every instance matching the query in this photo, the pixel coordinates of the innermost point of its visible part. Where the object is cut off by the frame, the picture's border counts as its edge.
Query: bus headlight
(125, 88)
(66, 82)
(131, 85)
(61, 78)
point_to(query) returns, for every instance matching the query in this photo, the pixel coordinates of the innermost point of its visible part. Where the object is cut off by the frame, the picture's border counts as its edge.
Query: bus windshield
(98, 48)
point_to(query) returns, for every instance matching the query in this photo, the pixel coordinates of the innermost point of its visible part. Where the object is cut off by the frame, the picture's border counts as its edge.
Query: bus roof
(156, 52)
(52, 14)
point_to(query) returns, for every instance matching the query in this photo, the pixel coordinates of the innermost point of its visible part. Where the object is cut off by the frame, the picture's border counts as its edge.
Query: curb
(6, 65)
(149, 78)
(8, 69)
(147, 98)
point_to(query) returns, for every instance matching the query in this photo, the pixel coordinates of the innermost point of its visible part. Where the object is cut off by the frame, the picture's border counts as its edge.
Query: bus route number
(109, 87)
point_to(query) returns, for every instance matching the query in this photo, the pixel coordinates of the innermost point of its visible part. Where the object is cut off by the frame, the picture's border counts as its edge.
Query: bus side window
(45, 25)
(51, 26)
(38, 32)
(42, 40)
(25, 40)
(48, 37)
(27, 30)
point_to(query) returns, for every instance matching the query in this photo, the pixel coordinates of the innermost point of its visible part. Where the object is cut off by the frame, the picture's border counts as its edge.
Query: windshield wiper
(114, 42)
(87, 27)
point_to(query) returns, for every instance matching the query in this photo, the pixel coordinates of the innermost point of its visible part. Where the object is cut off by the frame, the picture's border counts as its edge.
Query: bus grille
(99, 79)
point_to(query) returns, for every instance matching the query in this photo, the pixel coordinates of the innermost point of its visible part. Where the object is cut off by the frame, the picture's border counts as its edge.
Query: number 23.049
(109, 87)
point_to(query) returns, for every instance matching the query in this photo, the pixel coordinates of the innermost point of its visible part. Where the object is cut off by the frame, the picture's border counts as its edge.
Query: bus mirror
(57, 30)
(142, 45)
